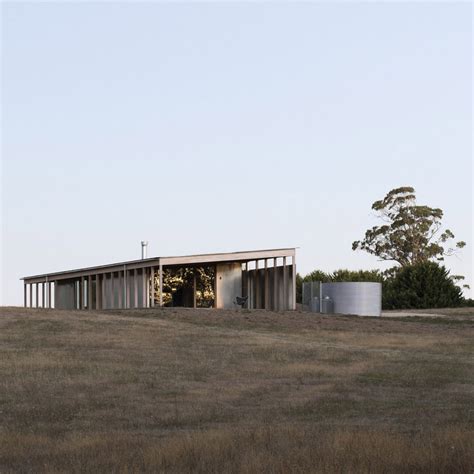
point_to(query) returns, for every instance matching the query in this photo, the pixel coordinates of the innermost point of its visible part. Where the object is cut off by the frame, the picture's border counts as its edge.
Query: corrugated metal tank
(361, 298)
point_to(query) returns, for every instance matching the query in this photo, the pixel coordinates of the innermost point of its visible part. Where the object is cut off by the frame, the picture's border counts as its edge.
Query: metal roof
(242, 256)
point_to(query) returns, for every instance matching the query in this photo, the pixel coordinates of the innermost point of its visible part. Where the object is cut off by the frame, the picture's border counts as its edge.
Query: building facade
(266, 278)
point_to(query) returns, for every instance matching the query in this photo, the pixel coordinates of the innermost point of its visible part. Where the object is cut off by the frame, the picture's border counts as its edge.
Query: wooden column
(161, 284)
(83, 287)
(257, 287)
(112, 291)
(24, 295)
(37, 295)
(144, 292)
(152, 287)
(285, 285)
(97, 291)
(89, 292)
(81, 293)
(120, 290)
(275, 285)
(126, 289)
(215, 287)
(50, 301)
(249, 294)
(267, 287)
(135, 289)
(246, 289)
(194, 289)
(76, 294)
(294, 282)
(103, 291)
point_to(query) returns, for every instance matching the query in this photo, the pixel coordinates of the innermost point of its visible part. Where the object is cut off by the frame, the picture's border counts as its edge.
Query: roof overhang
(186, 260)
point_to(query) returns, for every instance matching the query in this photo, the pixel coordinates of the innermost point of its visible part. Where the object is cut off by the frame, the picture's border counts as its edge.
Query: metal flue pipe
(144, 248)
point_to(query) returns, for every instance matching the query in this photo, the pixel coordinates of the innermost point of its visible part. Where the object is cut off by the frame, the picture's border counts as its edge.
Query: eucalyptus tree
(410, 233)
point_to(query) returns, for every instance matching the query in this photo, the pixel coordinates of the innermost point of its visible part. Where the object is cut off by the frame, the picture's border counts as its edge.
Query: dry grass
(224, 391)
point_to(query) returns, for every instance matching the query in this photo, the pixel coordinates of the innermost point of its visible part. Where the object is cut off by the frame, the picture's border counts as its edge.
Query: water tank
(360, 298)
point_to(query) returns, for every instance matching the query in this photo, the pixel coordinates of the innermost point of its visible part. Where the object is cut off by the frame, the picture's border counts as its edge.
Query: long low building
(265, 279)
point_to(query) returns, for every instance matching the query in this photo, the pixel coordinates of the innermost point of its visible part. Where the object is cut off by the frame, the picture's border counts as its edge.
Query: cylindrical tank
(327, 305)
(360, 298)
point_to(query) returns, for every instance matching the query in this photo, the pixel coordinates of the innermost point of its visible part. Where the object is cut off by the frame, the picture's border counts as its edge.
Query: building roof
(200, 259)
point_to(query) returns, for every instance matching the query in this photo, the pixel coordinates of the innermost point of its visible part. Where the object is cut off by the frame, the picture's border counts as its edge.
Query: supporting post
(76, 299)
(126, 292)
(152, 285)
(103, 292)
(294, 282)
(135, 289)
(50, 301)
(285, 285)
(81, 294)
(120, 290)
(194, 289)
(112, 290)
(249, 299)
(144, 292)
(244, 269)
(97, 291)
(275, 285)
(89, 292)
(147, 288)
(161, 284)
(31, 295)
(37, 295)
(266, 304)
(215, 287)
(257, 287)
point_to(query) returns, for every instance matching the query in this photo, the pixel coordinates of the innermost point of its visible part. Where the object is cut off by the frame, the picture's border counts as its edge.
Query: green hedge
(424, 285)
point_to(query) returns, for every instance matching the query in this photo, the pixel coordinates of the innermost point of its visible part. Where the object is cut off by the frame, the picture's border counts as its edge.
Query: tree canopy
(411, 233)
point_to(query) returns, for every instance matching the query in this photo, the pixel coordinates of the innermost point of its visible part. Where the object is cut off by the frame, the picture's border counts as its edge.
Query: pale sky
(223, 127)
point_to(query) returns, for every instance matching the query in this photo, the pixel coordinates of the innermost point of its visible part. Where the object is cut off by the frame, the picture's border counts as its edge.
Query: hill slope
(223, 391)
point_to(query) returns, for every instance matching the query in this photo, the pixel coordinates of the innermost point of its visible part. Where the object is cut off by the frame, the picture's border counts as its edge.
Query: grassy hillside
(222, 391)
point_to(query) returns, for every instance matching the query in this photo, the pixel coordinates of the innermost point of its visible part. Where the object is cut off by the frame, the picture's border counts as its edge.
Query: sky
(207, 127)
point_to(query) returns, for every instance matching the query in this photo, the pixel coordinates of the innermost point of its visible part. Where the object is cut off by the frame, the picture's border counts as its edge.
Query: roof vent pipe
(144, 248)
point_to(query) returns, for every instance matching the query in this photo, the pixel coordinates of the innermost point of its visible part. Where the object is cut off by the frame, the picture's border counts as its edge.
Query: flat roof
(206, 258)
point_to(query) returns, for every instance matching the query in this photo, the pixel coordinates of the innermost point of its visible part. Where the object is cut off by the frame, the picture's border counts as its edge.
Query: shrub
(423, 285)
(358, 275)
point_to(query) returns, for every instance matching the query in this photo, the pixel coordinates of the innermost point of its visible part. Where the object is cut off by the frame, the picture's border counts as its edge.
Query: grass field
(235, 391)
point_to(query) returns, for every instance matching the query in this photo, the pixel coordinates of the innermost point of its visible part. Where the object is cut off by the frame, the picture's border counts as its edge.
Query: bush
(424, 285)
(358, 275)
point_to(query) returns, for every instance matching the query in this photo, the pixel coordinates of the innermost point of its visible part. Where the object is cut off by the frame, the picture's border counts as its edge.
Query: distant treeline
(423, 285)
